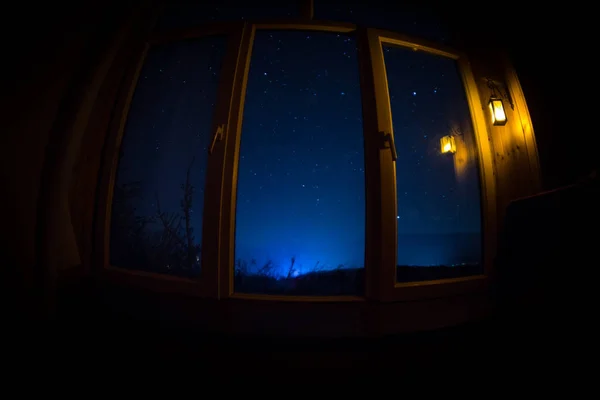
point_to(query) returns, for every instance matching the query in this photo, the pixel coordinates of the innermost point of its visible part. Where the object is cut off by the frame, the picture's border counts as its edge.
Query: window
(438, 195)
(300, 218)
(157, 206)
(328, 179)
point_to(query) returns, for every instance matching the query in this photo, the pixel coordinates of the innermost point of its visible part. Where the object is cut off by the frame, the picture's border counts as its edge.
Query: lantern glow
(497, 111)
(448, 144)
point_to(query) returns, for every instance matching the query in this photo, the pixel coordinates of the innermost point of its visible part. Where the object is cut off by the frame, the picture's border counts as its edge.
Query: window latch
(387, 137)
(217, 136)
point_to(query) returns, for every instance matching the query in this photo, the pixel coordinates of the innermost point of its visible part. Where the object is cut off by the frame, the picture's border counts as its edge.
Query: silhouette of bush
(163, 242)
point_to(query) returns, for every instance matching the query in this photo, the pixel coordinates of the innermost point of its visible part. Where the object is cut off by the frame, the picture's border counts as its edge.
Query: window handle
(217, 136)
(387, 137)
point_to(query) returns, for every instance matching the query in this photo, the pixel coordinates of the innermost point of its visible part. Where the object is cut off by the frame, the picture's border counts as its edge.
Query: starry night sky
(168, 125)
(439, 216)
(301, 184)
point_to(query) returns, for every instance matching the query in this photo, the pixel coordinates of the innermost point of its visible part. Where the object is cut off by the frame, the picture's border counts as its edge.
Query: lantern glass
(448, 144)
(497, 112)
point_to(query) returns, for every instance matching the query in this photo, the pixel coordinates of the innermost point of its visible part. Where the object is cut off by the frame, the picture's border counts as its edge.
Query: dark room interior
(317, 243)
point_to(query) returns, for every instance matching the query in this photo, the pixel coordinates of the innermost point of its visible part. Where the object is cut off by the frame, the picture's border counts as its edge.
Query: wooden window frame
(218, 239)
(206, 283)
(381, 116)
(227, 248)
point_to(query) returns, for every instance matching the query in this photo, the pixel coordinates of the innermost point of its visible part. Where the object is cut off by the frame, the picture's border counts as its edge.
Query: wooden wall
(516, 167)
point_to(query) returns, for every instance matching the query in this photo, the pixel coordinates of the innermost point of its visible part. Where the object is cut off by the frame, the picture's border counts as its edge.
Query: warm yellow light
(497, 112)
(448, 144)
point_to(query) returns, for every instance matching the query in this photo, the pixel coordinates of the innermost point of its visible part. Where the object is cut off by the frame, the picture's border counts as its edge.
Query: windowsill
(124, 292)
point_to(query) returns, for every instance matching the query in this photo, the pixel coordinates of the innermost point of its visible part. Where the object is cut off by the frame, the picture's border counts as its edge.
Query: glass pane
(439, 217)
(159, 191)
(300, 218)
(186, 15)
(400, 17)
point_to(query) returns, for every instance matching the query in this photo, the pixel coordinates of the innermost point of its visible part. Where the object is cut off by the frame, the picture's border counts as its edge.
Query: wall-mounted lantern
(497, 111)
(448, 144)
(496, 103)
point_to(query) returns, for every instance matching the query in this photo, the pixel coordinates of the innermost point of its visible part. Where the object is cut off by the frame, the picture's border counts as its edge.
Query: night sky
(438, 196)
(301, 183)
(168, 125)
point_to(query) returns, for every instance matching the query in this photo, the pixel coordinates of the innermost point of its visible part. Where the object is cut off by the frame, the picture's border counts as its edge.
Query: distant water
(439, 249)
